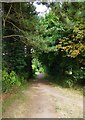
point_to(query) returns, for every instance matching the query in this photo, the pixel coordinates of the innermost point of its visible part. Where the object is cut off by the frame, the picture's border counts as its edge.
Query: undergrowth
(64, 82)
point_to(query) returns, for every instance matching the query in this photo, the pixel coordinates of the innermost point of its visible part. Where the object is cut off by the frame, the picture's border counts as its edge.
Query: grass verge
(9, 97)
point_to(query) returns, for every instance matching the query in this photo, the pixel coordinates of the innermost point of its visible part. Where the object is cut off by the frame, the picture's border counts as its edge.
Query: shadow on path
(40, 79)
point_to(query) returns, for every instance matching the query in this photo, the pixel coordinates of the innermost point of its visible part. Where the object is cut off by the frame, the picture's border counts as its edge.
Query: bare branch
(12, 36)
(15, 26)
(7, 14)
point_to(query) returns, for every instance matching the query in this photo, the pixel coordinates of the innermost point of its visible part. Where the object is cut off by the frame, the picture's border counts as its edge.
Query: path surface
(43, 100)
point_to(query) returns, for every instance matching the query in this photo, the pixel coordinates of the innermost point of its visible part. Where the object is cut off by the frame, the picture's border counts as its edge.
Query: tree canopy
(55, 40)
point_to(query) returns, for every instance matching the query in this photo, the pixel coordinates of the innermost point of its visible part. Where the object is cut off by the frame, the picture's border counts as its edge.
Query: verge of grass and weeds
(15, 93)
(56, 81)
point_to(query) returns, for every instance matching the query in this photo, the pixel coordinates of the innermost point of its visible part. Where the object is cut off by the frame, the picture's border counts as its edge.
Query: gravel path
(44, 100)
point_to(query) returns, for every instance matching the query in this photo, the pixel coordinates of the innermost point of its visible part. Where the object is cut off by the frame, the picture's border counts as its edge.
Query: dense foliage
(64, 28)
(55, 41)
(18, 23)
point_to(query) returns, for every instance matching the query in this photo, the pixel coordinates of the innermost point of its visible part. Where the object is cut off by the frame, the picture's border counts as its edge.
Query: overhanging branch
(12, 36)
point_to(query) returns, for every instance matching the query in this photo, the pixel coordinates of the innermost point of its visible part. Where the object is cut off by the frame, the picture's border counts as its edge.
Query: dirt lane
(42, 100)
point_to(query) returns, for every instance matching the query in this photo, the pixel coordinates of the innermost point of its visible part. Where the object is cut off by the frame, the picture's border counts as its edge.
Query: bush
(68, 83)
(79, 76)
(9, 80)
